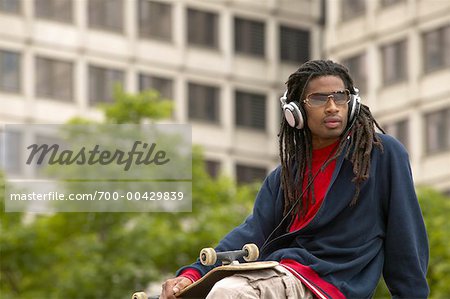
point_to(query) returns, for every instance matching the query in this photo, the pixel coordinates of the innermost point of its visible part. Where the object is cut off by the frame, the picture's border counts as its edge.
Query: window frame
(147, 81)
(441, 47)
(213, 167)
(145, 26)
(209, 103)
(249, 176)
(244, 100)
(389, 3)
(17, 73)
(441, 140)
(291, 31)
(350, 11)
(52, 11)
(359, 77)
(203, 17)
(399, 129)
(249, 45)
(399, 51)
(16, 11)
(108, 90)
(104, 8)
(52, 72)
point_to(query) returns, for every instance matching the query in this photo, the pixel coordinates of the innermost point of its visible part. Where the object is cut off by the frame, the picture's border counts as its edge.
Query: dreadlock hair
(295, 145)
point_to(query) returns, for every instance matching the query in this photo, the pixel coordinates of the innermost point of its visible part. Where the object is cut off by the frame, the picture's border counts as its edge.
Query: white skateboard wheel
(208, 256)
(139, 295)
(252, 252)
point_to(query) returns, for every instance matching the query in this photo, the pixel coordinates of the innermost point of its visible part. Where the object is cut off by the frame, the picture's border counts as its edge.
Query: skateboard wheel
(139, 295)
(208, 256)
(252, 252)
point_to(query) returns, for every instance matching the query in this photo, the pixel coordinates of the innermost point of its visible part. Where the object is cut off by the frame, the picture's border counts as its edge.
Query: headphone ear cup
(294, 115)
(353, 108)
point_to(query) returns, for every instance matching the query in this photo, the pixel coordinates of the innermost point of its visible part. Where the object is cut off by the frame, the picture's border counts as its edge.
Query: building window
(446, 193)
(250, 110)
(358, 70)
(102, 82)
(41, 169)
(10, 63)
(12, 150)
(202, 28)
(106, 15)
(399, 130)
(438, 131)
(203, 103)
(385, 3)
(54, 79)
(155, 20)
(394, 62)
(10, 6)
(163, 85)
(352, 9)
(212, 168)
(57, 10)
(436, 49)
(246, 174)
(249, 37)
(294, 45)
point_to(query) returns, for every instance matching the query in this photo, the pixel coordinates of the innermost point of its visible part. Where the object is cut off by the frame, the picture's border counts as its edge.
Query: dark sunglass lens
(318, 99)
(340, 97)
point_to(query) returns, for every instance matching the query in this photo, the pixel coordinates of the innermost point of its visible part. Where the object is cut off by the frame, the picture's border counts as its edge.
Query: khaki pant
(272, 283)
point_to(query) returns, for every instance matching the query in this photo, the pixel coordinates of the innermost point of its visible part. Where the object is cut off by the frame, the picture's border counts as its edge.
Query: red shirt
(321, 183)
(307, 276)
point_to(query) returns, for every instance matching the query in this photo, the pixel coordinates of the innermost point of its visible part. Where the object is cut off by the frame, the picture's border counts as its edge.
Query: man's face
(327, 122)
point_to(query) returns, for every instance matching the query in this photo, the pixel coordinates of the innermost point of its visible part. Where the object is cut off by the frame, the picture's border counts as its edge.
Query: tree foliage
(111, 255)
(435, 210)
(134, 108)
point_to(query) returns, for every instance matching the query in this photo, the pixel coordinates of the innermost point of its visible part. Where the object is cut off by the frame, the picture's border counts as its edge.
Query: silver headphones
(295, 115)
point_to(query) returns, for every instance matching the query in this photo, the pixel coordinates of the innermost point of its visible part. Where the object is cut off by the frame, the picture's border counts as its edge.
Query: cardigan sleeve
(406, 242)
(256, 227)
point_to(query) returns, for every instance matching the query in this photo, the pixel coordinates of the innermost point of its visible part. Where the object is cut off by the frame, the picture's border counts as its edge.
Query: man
(337, 213)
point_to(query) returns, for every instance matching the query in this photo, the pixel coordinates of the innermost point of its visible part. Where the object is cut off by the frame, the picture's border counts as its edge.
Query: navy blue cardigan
(349, 246)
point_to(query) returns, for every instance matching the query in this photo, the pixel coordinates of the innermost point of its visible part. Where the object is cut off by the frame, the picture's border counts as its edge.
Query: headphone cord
(266, 242)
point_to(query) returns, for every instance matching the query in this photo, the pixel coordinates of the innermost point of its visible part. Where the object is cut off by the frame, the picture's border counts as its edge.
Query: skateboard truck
(208, 256)
(143, 295)
(230, 266)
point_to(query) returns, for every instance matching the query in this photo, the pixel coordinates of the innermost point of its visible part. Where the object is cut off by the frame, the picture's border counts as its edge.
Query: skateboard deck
(201, 287)
(230, 266)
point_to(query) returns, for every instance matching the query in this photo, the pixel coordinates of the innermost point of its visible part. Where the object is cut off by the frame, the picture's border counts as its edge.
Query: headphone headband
(283, 99)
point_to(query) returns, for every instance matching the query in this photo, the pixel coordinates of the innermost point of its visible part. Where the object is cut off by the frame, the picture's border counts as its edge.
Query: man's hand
(174, 285)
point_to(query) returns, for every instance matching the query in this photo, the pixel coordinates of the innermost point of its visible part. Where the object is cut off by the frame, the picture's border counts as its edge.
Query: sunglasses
(319, 99)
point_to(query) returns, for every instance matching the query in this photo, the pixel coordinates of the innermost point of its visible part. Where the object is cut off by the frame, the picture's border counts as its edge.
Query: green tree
(111, 255)
(435, 208)
(134, 108)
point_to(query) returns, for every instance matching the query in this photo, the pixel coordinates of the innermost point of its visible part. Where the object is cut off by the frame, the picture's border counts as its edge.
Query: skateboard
(230, 266)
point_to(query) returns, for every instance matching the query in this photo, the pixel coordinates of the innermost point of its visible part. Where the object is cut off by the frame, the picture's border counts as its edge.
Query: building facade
(399, 53)
(224, 64)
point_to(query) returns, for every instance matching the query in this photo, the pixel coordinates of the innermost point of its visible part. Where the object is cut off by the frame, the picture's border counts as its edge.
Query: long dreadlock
(296, 146)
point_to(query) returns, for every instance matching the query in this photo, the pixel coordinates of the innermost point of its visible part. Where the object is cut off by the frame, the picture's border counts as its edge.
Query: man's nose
(330, 105)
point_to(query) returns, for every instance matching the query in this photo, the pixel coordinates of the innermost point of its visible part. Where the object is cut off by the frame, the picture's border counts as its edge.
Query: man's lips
(332, 122)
